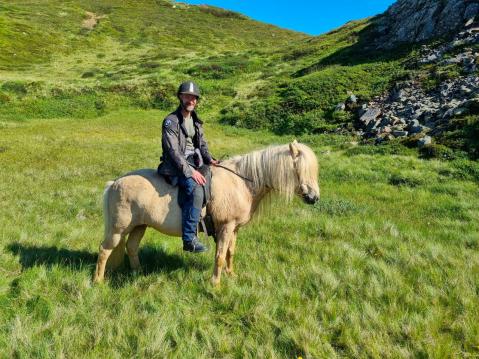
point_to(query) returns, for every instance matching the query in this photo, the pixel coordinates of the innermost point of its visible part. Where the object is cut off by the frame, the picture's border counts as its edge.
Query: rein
(229, 169)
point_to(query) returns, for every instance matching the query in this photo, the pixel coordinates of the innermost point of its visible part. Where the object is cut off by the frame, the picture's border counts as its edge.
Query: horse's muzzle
(310, 198)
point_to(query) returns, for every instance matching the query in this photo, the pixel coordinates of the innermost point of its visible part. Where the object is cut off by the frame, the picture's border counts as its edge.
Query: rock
(385, 121)
(426, 140)
(413, 123)
(385, 129)
(340, 107)
(398, 121)
(409, 21)
(372, 125)
(465, 90)
(415, 129)
(370, 115)
(352, 99)
(471, 12)
(397, 133)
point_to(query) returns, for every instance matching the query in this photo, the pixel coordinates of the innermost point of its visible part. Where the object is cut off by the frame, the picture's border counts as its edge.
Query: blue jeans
(191, 202)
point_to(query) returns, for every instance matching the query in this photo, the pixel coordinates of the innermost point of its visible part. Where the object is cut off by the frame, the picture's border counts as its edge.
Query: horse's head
(306, 167)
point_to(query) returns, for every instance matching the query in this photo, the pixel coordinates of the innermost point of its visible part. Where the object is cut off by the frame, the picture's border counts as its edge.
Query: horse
(142, 199)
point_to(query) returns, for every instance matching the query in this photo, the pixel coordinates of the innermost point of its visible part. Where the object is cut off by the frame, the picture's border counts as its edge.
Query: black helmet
(189, 87)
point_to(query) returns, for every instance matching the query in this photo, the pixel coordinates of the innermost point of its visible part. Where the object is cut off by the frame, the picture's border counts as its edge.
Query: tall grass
(378, 268)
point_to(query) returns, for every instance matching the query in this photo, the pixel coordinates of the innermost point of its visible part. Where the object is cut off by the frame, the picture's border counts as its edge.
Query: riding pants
(191, 196)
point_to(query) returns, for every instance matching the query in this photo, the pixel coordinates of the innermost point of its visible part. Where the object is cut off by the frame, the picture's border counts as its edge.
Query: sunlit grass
(375, 269)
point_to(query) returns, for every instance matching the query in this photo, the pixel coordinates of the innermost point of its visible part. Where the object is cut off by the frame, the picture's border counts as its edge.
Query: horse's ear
(293, 148)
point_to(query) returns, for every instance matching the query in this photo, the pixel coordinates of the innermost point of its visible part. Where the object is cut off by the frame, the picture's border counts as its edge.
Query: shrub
(218, 12)
(399, 179)
(16, 87)
(437, 151)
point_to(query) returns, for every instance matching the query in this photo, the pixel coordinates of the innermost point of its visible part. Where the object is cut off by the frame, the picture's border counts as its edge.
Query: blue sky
(311, 17)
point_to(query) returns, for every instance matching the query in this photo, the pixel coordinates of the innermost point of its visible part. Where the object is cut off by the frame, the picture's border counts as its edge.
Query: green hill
(384, 265)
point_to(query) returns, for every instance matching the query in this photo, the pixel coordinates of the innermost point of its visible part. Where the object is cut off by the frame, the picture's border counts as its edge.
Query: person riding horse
(184, 151)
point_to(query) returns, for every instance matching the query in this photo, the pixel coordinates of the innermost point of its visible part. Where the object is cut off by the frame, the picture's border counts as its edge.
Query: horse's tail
(116, 257)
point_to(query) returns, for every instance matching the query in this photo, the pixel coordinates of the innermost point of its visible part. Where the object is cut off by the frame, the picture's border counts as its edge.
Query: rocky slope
(409, 21)
(443, 83)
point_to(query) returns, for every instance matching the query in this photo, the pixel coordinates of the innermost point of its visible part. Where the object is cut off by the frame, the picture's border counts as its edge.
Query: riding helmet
(189, 87)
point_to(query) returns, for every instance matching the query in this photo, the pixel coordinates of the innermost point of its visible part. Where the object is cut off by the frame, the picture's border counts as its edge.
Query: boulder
(398, 133)
(426, 140)
(371, 114)
(352, 99)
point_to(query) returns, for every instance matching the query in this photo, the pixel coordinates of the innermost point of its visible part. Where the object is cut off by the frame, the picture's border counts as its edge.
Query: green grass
(383, 266)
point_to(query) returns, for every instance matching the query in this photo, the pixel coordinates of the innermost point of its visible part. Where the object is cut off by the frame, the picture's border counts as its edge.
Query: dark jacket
(173, 143)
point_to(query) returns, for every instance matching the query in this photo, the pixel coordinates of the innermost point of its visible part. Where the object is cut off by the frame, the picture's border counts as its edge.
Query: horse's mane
(273, 167)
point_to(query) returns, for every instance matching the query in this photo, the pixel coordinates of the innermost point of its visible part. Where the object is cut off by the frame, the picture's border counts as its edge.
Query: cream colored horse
(143, 199)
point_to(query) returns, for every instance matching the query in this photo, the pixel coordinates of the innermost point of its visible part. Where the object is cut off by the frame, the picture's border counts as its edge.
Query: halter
(301, 185)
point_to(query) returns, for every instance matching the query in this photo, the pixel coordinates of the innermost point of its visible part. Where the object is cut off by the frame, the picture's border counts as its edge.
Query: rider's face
(188, 101)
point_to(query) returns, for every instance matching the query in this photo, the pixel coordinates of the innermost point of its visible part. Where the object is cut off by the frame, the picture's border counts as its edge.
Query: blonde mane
(274, 168)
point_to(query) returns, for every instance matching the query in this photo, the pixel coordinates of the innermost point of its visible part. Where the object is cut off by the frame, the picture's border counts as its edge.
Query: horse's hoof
(232, 274)
(215, 282)
(137, 272)
(97, 280)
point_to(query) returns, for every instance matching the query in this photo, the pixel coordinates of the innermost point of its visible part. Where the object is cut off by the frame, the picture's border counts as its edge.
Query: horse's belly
(166, 216)
(170, 223)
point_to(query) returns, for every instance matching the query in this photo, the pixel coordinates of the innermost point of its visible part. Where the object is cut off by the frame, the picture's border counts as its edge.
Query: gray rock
(398, 133)
(352, 99)
(370, 115)
(416, 129)
(426, 140)
(340, 107)
(472, 11)
(413, 123)
(420, 20)
(460, 111)
(372, 125)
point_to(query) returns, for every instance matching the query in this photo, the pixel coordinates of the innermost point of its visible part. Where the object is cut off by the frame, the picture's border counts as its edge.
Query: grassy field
(385, 265)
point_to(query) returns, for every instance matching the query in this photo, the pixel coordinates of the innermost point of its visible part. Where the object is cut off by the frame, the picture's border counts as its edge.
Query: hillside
(87, 60)
(385, 265)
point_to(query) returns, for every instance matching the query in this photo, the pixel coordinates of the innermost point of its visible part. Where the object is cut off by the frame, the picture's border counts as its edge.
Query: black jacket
(173, 143)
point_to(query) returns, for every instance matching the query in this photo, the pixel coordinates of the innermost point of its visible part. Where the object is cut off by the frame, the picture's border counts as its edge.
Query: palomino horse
(143, 199)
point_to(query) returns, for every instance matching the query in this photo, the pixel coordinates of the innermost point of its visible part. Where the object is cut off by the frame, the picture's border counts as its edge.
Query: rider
(184, 147)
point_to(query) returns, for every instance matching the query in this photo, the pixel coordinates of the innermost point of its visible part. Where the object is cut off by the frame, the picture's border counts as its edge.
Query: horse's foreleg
(106, 248)
(230, 253)
(224, 236)
(133, 244)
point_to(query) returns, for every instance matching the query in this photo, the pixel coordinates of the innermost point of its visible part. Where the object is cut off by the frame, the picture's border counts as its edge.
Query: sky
(309, 16)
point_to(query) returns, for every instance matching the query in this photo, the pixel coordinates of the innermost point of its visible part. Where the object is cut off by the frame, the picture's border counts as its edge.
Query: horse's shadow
(153, 260)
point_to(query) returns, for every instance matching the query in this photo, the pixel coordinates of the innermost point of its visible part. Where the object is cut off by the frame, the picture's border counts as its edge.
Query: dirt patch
(92, 20)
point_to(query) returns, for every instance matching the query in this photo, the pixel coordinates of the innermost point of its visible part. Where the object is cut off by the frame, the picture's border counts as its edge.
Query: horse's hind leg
(133, 244)
(106, 248)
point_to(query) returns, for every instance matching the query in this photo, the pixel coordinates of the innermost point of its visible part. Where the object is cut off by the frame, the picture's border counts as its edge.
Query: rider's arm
(171, 144)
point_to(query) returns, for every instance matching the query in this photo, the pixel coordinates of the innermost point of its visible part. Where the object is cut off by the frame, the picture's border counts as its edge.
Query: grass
(385, 265)
(378, 268)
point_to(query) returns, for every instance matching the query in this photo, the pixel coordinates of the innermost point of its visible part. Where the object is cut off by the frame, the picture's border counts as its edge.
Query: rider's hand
(214, 162)
(198, 177)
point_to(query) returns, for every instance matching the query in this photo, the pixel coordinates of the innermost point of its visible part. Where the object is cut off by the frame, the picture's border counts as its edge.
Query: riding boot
(190, 219)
